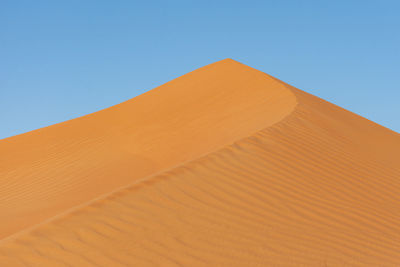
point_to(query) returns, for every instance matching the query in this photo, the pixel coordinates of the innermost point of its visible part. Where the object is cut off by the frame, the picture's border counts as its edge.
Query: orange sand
(224, 166)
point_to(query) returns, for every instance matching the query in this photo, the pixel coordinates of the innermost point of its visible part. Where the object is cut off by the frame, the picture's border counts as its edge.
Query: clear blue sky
(63, 59)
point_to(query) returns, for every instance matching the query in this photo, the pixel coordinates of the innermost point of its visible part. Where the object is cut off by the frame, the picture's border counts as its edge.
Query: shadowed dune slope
(254, 173)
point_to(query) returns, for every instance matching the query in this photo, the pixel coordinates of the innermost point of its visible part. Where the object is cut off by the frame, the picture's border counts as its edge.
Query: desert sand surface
(224, 166)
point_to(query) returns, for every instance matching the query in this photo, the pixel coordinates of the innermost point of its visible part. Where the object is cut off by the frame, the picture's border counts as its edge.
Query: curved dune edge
(306, 191)
(52, 170)
(129, 186)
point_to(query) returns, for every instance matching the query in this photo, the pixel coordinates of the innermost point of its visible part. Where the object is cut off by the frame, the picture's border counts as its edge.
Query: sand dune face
(224, 166)
(56, 168)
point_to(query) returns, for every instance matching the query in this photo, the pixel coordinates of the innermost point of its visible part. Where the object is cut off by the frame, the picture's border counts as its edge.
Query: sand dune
(224, 166)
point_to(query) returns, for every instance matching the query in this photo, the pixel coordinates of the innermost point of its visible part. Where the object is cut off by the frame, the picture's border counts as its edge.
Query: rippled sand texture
(225, 166)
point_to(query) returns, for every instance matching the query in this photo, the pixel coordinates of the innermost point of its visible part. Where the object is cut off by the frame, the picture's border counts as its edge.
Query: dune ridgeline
(223, 166)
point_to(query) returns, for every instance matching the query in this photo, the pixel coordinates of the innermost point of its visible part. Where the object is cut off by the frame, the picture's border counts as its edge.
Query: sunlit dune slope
(244, 171)
(50, 170)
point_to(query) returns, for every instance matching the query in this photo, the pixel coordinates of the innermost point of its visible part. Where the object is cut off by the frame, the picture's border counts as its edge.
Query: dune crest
(224, 166)
(50, 170)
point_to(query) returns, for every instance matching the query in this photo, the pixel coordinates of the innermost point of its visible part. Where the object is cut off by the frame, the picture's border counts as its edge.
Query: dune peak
(223, 166)
(174, 123)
